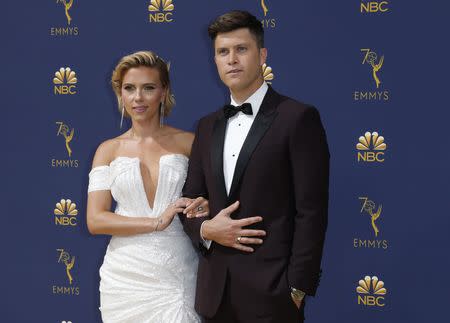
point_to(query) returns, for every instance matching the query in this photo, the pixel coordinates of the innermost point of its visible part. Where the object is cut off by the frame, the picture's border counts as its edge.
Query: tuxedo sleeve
(194, 187)
(309, 157)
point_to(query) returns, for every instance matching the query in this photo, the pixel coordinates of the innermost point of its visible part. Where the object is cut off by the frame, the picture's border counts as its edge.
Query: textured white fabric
(237, 130)
(147, 277)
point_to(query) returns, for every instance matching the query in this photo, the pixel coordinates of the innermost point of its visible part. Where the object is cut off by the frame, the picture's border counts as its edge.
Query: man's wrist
(203, 231)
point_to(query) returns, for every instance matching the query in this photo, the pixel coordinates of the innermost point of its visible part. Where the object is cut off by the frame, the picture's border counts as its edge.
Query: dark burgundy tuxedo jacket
(281, 175)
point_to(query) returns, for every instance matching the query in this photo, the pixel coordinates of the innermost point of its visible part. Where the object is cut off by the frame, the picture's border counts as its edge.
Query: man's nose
(232, 58)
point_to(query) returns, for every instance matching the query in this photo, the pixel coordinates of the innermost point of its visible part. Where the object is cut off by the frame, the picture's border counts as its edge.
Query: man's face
(238, 59)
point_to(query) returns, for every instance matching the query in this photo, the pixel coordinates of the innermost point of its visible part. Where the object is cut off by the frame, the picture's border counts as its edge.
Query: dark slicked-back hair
(237, 19)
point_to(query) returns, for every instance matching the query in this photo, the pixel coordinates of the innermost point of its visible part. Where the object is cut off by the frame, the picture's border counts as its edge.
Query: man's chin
(235, 85)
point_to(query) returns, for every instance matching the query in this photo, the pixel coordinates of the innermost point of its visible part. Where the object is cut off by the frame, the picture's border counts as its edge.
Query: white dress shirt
(237, 130)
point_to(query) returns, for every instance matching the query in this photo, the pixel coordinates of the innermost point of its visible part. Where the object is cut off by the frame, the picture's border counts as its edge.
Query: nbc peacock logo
(267, 73)
(65, 213)
(371, 292)
(367, 7)
(161, 11)
(371, 148)
(65, 81)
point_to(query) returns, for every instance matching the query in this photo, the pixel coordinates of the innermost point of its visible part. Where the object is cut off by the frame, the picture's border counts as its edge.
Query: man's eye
(242, 49)
(222, 51)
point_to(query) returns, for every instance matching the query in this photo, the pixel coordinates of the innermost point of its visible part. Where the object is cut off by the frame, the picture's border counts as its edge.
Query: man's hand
(230, 233)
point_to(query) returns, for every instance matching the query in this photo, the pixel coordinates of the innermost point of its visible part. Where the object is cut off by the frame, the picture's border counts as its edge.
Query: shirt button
(234, 155)
(239, 125)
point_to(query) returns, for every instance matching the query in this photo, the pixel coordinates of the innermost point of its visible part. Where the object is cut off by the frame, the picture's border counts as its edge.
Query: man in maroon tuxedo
(263, 163)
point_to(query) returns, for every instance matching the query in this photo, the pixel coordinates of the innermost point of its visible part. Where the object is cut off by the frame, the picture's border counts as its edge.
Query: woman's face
(142, 93)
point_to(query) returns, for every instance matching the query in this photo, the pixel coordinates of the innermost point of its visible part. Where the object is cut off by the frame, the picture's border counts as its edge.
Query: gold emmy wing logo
(161, 10)
(65, 80)
(369, 207)
(266, 22)
(67, 6)
(267, 73)
(69, 262)
(371, 291)
(371, 147)
(371, 58)
(374, 6)
(264, 7)
(65, 131)
(66, 213)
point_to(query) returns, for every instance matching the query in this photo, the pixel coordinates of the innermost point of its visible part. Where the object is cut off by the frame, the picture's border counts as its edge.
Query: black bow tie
(230, 110)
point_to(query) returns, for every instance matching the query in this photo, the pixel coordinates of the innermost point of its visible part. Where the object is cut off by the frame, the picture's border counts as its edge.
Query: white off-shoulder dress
(146, 277)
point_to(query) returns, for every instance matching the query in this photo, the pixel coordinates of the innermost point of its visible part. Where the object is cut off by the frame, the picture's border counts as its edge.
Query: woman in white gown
(149, 269)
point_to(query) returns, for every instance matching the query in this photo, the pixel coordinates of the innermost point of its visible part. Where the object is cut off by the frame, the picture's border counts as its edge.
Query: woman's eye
(149, 88)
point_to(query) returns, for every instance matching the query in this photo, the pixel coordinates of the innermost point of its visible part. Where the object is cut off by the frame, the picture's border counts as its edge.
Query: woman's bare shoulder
(182, 139)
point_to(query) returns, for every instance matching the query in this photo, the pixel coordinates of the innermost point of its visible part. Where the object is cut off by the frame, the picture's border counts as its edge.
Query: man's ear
(263, 55)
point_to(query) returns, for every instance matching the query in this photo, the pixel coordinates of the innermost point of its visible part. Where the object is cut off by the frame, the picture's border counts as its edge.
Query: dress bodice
(124, 179)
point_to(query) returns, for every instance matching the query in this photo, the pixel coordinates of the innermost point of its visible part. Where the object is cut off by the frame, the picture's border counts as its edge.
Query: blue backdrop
(388, 216)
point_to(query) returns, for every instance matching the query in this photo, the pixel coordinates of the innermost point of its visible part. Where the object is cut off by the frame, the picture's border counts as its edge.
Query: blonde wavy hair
(143, 58)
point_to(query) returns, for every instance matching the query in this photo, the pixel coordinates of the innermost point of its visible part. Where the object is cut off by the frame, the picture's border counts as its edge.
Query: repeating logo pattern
(65, 131)
(267, 73)
(68, 264)
(264, 7)
(374, 6)
(161, 10)
(65, 81)
(65, 213)
(369, 207)
(68, 261)
(371, 147)
(69, 29)
(371, 58)
(266, 21)
(371, 291)
(67, 6)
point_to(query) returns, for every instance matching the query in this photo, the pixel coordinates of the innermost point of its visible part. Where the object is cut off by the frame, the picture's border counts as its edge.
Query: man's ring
(200, 208)
(238, 239)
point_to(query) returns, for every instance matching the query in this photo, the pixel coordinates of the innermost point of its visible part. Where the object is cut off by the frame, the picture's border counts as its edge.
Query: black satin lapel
(217, 142)
(259, 127)
(257, 131)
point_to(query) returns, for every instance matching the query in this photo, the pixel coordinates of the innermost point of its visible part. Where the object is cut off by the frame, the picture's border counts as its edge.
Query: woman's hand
(165, 219)
(196, 208)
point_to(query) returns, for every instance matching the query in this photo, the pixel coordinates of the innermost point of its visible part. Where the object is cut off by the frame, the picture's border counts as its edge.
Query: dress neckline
(115, 160)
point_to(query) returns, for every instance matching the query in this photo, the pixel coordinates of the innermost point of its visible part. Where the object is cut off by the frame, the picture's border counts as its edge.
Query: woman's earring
(123, 112)
(161, 115)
